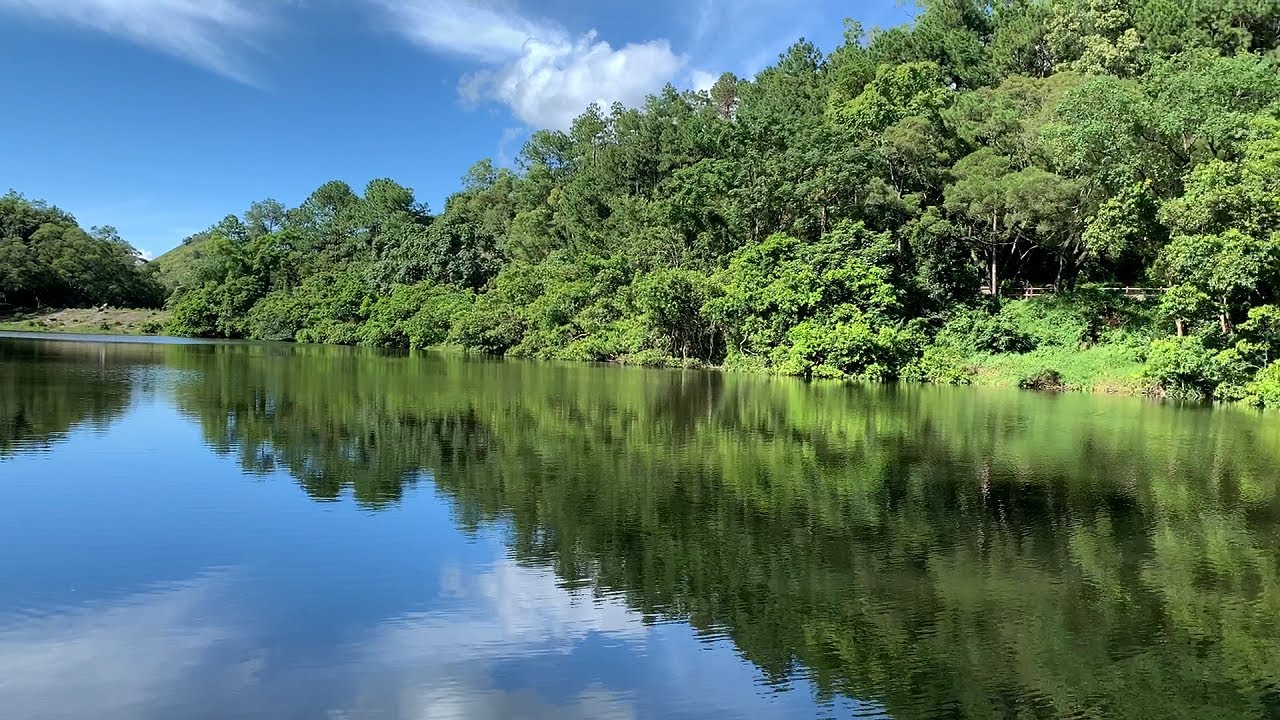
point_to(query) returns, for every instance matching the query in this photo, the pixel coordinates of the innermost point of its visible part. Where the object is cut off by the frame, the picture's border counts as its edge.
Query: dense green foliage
(46, 259)
(838, 215)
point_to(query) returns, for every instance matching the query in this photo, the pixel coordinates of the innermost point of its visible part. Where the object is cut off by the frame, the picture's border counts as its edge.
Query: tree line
(852, 214)
(48, 260)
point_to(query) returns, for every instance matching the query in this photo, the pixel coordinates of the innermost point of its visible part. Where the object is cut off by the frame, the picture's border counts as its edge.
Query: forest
(48, 260)
(875, 213)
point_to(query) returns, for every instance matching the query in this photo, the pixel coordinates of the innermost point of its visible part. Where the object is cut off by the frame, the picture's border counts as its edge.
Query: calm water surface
(263, 531)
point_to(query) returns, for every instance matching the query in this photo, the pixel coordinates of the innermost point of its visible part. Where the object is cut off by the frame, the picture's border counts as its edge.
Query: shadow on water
(943, 552)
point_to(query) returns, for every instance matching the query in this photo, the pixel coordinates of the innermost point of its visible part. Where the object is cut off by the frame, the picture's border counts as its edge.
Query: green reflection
(48, 388)
(947, 552)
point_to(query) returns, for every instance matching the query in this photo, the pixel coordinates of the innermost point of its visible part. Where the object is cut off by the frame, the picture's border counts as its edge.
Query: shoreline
(995, 371)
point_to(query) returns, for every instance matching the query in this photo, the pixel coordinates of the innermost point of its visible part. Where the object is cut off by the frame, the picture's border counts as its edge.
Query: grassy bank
(1083, 342)
(1108, 369)
(88, 321)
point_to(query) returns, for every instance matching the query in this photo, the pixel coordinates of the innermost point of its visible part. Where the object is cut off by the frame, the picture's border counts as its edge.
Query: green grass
(1102, 368)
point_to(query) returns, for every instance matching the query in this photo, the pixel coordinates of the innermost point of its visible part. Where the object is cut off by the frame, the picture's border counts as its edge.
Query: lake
(275, 531)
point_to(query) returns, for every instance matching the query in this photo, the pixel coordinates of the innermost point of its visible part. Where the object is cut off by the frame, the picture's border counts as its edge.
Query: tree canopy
(47, 259)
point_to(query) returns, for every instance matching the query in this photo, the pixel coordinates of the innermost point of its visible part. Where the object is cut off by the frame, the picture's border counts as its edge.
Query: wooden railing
(1031, 291)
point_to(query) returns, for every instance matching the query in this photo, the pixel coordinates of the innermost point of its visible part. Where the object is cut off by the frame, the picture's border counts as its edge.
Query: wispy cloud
(116, 660)
(441, 664)
(213, 34)
(509, 135)
(745, 36)
(534, 66)
(493, 31)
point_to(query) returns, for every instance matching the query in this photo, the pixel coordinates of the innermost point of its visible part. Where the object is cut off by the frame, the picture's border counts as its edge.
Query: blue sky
(161, 116)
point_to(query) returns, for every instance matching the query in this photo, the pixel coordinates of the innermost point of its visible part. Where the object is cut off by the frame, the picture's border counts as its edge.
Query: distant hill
(172, 267)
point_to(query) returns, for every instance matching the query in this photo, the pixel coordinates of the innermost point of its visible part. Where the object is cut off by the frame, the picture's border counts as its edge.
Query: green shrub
(615, 340)
(977, 330)
(1264, 390)
(412, 315)
(278, 316)
(854, 347)
(944, 364)
(489, 326)
(1048, 379)
(1263, 328)
(1232, 369)
(151, 327)
(1046, 322)
(440, 311)
(195, 314)
(1182, 367)
(670, 303)
(657, 359)
(818, 309)
(331, 332)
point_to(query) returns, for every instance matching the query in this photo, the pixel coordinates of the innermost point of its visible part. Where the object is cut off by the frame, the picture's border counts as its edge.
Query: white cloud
(515, 610)
(492, 31)
(537, 68)
(551, 83)
(117, 661)
(213, 34)
(439, 665)
(702, 80)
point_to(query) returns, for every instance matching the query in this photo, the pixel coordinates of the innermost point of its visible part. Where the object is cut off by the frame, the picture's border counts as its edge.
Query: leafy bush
(1263, 329)
(1048, 379)
(278, 316)
(670, 303)
(824, 309)
(440, 311)
(331, 332)
(977, 330)
(1264, 390)
(490, 326)
(1232, 370)
(1182, 367)
(334, 305)
(854, 346)
(196, 314)
(941, 363)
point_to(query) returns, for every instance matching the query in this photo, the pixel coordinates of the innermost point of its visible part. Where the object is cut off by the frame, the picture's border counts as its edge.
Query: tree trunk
(1182, 331)
(994, 277)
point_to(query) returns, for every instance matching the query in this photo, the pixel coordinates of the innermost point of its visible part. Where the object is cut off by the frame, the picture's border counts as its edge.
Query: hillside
(171, 268)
